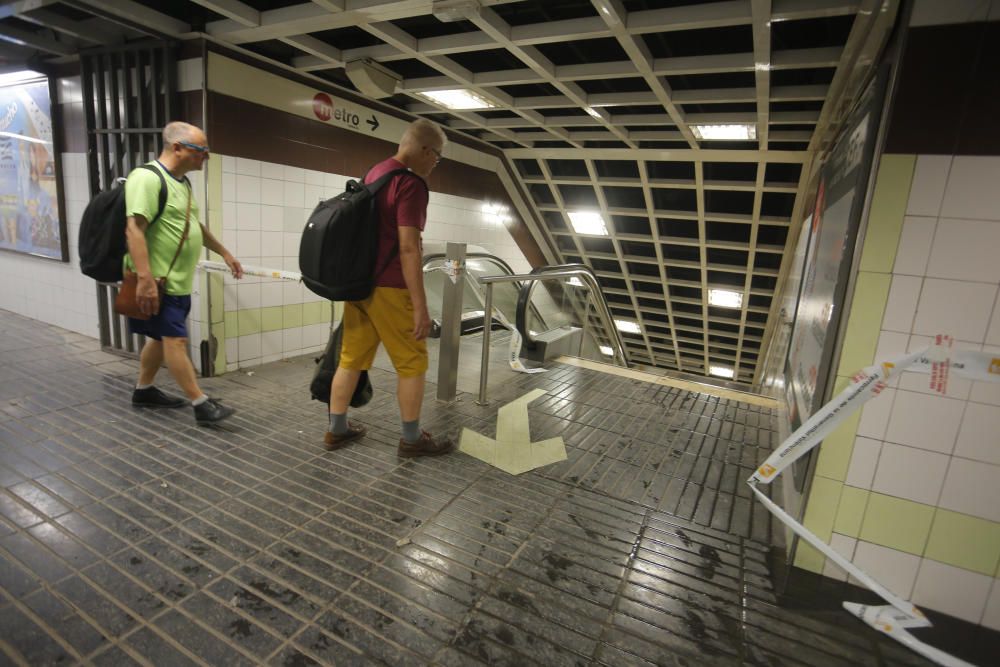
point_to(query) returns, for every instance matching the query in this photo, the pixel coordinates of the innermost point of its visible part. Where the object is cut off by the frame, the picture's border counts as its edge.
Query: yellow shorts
(387, 317)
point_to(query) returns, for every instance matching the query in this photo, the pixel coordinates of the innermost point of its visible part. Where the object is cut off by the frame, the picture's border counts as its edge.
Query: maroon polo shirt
(401, 203)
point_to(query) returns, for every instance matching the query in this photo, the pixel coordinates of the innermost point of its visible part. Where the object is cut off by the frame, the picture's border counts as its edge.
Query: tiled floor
(135, 537)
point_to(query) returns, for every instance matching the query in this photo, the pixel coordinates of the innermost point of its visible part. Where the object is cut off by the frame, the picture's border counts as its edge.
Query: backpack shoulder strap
(163, 190)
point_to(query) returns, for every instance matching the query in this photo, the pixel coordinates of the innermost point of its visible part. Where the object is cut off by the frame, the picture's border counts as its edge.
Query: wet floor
(136, 537)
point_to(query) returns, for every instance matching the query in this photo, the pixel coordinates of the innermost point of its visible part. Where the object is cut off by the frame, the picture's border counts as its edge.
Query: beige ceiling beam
(234, 10)
(37, 41)
(95, 31)
(139, 15)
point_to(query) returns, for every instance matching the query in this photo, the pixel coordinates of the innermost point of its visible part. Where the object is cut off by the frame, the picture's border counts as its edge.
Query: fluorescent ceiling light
(725, 298)
(22, 137)
(593, 112)
(607, 351)
(588, 222)
(734, 132)
(721, 371)
(458, 99)
(11, 78)
(627, 327)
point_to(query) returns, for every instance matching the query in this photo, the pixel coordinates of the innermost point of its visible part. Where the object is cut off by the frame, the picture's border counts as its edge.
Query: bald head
(179, 131)
(422, 133)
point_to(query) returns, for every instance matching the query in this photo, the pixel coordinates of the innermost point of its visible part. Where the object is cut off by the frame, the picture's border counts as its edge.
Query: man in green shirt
(152, 249)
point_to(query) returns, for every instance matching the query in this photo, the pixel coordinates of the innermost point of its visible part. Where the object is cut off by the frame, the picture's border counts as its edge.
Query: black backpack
(102, 243)
(340, 242)
(326, 366)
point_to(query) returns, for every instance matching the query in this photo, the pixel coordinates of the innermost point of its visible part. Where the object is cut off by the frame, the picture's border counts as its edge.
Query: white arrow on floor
(512, 451)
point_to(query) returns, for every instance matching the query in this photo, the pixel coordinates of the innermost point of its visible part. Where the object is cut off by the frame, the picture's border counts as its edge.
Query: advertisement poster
(29, 195)
(836, 217)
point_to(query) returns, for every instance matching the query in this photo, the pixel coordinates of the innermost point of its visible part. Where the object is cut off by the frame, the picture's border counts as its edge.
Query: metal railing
(585, 276)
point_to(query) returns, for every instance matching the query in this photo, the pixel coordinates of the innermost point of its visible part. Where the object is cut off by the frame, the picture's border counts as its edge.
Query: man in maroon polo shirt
(396, 312)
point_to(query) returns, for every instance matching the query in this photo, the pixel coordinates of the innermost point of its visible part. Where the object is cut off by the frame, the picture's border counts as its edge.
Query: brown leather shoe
(354, 431)
(426, 446)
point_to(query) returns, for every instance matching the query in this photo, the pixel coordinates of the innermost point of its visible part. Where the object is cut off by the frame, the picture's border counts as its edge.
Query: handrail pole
(484, 367)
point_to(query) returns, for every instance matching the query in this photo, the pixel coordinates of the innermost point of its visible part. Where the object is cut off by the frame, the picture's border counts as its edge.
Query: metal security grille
(129, 94)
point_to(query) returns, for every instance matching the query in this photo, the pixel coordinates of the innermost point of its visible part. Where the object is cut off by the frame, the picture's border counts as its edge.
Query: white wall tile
(844, 546)
(292, 339)
(293, 220)
(991, 616)
(290, 244)
(247, 167)
(906, 472)
(924, 421)
(987, 392)
(248, 245)
(927, 189)
(272, 218)
(247, 189)
(875, 415)
(294, 174)
(271, 294)
(313, 195)
(951, 590)
(993, 332)
(864, 460)
(965, 250)
(248, 295)
(272, 192)
(972, 190)
(972, 487)
(228, 187)
(249, 348)
(902, 303)
(228, 164)
(954, 307)
(272, 243)
(294, 194)
(248, 217)
(914, 246)
(232, 350)
(272, 170)
(979, 437)
(271, 343)
(895, 570)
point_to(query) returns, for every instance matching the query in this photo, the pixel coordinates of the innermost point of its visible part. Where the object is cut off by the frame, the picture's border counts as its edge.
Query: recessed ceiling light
(627, 327)
(725, 298)
(575, 282)
(458, 99)
(10, 78)
(720, 371)
(734, 132)
(593, 112)
(607, 351)
(588, 222)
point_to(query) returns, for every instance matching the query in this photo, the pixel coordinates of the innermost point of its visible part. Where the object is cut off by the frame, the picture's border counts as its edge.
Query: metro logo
(766, 470)
(323, 106)
(995, 366)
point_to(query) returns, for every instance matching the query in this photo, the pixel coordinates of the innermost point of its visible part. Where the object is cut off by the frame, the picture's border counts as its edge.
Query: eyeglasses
(194, 147)
(437, 153)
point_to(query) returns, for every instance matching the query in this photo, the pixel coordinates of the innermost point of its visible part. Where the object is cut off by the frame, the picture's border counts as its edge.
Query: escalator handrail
(524, 294)
(589, 279)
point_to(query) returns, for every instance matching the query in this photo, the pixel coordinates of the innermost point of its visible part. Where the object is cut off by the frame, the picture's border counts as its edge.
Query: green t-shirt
(142, 197)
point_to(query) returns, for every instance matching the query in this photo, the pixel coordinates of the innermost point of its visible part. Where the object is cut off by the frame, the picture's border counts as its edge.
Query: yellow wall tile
(821, 508)
(871, 292)
(232, 326)
(964, 541)
(851, 511)
(219, 331)
(809, 558)
(271, 318)
(215, 291)
(292, 315)
(248, 321)
(885, 219)
(835, 452)
(896, 523)
(312, 312)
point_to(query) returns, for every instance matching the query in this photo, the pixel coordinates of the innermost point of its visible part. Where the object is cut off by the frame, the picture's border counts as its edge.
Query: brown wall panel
(948, 92)
(240, 128)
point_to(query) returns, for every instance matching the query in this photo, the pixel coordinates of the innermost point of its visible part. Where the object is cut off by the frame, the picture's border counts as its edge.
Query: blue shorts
(170, 322)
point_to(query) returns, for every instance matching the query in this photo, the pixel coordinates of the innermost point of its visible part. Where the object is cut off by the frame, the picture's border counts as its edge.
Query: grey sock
(143, 386)
(338, 423)
(411, 431)
(198, 401)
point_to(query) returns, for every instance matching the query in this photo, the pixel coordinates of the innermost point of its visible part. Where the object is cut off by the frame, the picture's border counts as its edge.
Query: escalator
(557, 310)
(561, 311)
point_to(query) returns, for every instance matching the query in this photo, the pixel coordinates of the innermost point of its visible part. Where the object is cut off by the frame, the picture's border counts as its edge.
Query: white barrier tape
(514, 350)
(252, 271)
(940, 361)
